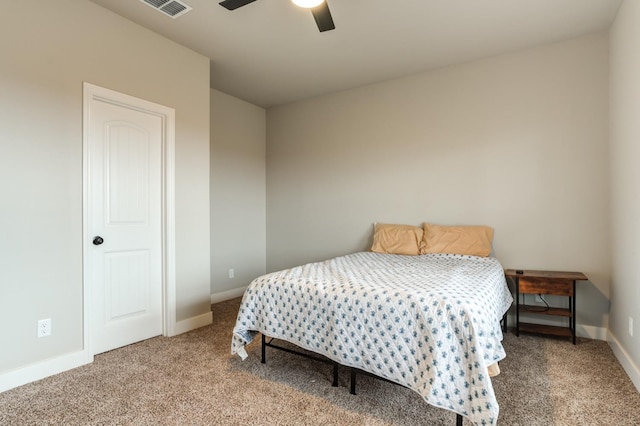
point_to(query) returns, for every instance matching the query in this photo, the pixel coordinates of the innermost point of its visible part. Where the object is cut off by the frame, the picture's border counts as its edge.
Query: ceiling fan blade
(234, 4)
(323, 18)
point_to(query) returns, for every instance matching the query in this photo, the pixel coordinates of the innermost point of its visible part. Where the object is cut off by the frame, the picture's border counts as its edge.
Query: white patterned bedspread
(429, 322)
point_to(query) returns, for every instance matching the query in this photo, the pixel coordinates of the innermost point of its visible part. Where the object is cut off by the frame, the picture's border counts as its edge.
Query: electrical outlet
(232, 273)
(44, 327)
(631, 326)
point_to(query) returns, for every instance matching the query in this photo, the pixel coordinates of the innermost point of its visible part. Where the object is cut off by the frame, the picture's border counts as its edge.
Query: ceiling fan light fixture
(308, 4)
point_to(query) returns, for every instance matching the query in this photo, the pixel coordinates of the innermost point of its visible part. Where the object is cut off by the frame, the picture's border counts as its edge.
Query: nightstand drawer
(554, 286)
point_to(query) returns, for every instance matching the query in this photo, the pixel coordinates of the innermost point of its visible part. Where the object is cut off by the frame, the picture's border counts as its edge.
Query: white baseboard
(227, 295)
(591, 332)
(193, 323)
(40, 370)
(633, 371)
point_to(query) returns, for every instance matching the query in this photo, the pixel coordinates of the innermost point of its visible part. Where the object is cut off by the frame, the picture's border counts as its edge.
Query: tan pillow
(397, 239)
(470, 240)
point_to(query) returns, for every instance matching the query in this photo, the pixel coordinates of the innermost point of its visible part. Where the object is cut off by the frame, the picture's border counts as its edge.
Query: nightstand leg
(517, 306)
(573, 312)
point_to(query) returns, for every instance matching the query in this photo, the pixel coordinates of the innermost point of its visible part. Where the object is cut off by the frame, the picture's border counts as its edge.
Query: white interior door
(124, 205)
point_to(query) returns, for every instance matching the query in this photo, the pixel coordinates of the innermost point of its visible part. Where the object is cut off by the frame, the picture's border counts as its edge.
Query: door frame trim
(92, 92)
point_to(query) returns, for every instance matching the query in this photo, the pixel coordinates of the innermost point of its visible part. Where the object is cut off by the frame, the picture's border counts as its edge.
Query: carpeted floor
(192, 380)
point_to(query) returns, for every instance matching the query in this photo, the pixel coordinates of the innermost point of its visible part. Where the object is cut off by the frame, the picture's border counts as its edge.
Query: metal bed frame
(352, 370)
(306, 355)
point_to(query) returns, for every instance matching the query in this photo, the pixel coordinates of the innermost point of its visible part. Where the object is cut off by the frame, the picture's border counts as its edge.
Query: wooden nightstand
(546, 282)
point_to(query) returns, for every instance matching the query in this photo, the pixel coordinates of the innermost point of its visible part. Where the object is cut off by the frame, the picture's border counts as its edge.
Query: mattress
(429, 322)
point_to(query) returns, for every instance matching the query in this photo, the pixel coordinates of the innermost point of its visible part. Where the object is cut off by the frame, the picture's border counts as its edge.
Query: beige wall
(238, 234)
(517, 142)
(625, 180)
(47, 50)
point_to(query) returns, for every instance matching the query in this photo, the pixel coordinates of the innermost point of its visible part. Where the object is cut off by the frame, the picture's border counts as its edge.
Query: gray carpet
(191, 379)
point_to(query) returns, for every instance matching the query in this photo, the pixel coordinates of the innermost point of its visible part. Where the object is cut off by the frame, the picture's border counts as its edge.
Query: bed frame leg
(352, 391)
(264, 352)
(458, 420)
(335, 375)
(504, 323)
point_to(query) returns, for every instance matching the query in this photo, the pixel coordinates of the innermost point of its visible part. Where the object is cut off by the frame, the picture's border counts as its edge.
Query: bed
(430, 322)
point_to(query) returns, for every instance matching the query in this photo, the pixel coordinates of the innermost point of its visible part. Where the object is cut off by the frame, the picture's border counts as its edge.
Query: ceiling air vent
(172, 8)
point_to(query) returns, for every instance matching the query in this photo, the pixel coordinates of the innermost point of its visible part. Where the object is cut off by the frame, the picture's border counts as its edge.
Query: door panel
(126, 284)
(127, 152)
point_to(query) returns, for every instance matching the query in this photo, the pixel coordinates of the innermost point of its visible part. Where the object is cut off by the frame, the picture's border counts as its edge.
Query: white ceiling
(270, 52)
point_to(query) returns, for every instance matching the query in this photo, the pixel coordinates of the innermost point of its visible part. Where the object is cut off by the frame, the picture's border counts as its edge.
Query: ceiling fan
(319, 9)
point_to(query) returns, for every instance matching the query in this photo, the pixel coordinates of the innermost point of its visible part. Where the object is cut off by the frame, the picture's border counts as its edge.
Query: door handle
(97, 240)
